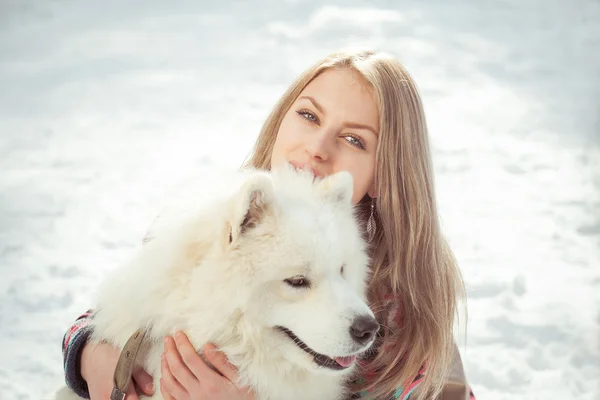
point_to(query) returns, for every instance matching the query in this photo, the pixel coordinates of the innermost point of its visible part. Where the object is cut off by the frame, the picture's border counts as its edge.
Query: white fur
(189, 277)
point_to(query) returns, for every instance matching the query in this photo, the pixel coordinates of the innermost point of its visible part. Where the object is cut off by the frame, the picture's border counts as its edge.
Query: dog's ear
(252, 202)
(337, 188)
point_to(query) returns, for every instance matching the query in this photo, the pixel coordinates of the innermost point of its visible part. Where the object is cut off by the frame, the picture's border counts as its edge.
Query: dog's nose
(363, 329)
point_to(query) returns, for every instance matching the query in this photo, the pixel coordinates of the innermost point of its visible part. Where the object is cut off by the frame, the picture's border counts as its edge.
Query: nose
(363, 329)
(318, 147)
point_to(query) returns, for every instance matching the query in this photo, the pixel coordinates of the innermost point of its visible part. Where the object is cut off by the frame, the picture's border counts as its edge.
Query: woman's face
(332, 126)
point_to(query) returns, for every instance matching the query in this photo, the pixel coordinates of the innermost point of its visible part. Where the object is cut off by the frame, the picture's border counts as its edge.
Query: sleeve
(402, 394)
(471, 395)
(72, 345)
(456, 387)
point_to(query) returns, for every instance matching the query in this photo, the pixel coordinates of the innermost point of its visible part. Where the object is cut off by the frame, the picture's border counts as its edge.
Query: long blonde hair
(411, 261)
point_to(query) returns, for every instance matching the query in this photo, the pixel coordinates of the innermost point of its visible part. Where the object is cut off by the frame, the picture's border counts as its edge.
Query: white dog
(271, 267)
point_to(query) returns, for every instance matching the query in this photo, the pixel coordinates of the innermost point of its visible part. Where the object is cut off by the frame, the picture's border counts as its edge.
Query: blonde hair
(411, 260)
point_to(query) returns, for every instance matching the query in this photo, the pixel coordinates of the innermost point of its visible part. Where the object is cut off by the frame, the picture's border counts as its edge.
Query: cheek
(285, 142)
(278, 153)
(362, 175)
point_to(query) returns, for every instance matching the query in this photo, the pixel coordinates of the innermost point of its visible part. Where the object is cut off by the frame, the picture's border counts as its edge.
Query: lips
(299, 166)
(335, 363)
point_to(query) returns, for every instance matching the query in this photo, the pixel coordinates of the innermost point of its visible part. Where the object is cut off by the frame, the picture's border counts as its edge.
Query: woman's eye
(298, 282)
(354, 141)
(308, 115)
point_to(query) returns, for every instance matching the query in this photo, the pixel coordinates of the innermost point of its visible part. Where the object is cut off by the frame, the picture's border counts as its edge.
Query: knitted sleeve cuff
(73, 342)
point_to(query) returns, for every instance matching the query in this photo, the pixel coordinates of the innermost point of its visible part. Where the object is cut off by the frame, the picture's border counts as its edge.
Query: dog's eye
(298, 282)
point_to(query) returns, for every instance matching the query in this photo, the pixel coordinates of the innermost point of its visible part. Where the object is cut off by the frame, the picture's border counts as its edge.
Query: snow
(105, 105)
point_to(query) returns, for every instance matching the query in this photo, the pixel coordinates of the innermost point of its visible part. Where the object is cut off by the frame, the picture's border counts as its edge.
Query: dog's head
(295, 246)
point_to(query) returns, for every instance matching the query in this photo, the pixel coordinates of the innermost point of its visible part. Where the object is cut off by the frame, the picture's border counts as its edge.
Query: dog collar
(124, 368)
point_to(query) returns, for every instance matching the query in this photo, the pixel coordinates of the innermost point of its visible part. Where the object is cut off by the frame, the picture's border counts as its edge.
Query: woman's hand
(185, 375)
(98, 362)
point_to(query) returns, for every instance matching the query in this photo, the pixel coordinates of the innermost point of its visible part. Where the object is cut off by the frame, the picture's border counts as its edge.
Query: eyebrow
(315, 103)
(349, 124)
(360, 126)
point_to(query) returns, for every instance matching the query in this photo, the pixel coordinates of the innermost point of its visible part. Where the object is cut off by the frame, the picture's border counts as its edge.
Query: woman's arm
(73, 343)
(89, 369)
(456, 387)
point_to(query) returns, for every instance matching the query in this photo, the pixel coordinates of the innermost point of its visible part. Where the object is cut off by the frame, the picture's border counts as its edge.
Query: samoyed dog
(269, 266)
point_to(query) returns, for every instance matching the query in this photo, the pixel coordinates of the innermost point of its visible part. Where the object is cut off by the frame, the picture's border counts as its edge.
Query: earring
(371, 222)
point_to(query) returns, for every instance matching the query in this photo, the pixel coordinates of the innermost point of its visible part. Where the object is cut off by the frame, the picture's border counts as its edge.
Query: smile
(337, 363)
(304, 167)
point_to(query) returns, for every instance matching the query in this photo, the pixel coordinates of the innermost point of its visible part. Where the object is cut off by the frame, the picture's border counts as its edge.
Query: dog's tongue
(345, 361)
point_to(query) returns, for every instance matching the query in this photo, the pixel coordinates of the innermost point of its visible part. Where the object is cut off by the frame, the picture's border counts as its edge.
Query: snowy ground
(103, 105)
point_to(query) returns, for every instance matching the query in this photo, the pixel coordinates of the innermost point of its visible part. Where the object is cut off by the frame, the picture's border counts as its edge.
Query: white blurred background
(106, 104)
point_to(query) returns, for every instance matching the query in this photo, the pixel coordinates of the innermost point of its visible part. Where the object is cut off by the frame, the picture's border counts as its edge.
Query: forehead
(344, 93)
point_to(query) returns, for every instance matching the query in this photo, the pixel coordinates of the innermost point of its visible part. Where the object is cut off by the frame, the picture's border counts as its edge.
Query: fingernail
(178, 335)
(149, 387)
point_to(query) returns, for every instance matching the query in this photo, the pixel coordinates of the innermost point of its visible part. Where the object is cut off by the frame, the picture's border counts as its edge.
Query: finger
(131, 393)
(163, 390)
(192, 359)
(219, 360)
(144, 381)
(178, 367)
(169, 383)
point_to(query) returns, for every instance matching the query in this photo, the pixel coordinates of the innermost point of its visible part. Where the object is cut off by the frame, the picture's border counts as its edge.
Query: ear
(338, 188)
(253, 200)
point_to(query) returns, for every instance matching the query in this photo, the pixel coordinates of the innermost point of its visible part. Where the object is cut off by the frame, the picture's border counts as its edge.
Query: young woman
(360, 112)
